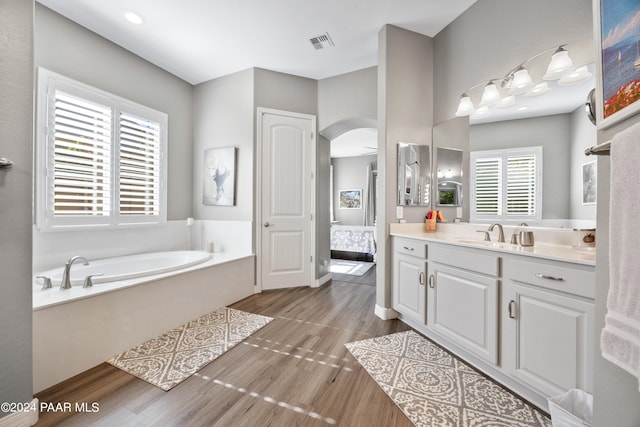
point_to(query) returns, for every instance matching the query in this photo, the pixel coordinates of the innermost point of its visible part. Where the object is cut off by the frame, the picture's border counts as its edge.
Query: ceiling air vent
(321, 41)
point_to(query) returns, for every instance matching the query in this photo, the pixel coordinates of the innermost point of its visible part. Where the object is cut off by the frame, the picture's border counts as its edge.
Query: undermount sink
(483, 243)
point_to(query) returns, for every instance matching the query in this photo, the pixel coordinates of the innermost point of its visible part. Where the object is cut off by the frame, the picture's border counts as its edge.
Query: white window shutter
(488, 186)
(521, 185)
(81, 153)
(139, 159)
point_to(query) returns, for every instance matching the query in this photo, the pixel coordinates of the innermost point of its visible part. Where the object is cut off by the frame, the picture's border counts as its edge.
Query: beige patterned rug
(171, 358)
(434, 388)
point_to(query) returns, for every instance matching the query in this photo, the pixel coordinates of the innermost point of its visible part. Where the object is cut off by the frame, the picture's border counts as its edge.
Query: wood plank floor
(293, 372)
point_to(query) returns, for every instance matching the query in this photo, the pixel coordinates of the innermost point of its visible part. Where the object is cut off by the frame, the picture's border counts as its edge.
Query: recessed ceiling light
(133, 17)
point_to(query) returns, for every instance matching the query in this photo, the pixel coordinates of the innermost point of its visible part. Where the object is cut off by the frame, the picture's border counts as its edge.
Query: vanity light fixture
(560, 65)
(481, 113)
(507, 102)
(538, 90)
(133, 17)
(448, 174)
(490, 95)
(519, 81)
(465, 107)
(439, 173)
(579, 75)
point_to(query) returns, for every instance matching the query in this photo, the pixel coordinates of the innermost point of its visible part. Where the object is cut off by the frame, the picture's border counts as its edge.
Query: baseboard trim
(22, 419)
(321, 281)
(385, 313)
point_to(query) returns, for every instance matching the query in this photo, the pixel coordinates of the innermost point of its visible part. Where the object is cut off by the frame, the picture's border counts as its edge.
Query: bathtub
(76, 329)
(128, 267)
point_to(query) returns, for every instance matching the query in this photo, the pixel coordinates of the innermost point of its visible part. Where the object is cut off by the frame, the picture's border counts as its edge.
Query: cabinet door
(409, 296)
(463, 307)
(548, 339)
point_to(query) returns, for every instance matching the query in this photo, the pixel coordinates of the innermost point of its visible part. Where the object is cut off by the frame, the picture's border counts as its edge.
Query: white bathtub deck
(77, 329)
(43, 298)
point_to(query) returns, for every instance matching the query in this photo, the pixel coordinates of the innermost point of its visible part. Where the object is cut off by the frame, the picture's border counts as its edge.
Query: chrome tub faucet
(66, 274)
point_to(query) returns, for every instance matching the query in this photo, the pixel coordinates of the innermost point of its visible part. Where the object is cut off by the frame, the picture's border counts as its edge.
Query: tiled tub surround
(78, 328)
(522, 315)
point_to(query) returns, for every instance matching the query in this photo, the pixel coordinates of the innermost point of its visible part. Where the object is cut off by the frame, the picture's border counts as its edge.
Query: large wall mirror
(414, 174)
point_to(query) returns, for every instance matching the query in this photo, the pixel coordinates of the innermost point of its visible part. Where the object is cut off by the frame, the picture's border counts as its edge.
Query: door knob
(266, 224)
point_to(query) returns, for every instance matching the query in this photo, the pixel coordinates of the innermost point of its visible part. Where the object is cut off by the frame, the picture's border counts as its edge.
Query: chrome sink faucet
(66, 274)
(500, 231)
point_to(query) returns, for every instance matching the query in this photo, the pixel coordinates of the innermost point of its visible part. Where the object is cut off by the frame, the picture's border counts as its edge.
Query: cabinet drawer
(413, 247)
(563, 277)
(485, 263)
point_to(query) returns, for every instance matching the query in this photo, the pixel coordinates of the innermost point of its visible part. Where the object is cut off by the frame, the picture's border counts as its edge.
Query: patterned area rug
(434, 388)
(176, 355)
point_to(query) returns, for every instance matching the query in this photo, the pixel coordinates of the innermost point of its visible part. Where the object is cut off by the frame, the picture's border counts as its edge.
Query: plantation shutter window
(139, 166)
(488, 192)
(506, 185)
(81, 158)
(521, 185)
(101, 156)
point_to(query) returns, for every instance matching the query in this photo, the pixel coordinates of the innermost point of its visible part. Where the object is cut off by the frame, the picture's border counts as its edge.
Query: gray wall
(223, 116)
(350, 173)
(583, 136)
(493, 36)
(405, 112)
(553, 133)
(65, 47)
(348, 96)
(16, 136)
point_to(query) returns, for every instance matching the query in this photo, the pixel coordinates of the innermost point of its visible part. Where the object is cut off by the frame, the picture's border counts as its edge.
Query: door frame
(260, 112)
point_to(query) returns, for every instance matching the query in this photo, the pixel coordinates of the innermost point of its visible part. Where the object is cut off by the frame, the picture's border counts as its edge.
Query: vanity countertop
(462, 237)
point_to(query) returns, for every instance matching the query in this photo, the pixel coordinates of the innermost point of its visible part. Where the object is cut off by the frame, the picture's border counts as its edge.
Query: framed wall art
(589, 182)
(618, 60)
(350, 199)
(219, 176)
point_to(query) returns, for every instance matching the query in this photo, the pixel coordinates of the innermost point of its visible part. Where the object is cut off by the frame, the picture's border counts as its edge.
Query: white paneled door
(286, 200)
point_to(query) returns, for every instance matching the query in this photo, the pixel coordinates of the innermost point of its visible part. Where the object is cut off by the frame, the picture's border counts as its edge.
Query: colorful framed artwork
(350, 199)
(618, 40)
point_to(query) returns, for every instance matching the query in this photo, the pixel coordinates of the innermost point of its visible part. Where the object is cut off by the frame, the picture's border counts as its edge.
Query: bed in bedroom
(353, 242)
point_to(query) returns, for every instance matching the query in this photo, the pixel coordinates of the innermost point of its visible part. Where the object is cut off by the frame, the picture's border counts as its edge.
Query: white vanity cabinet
(409, 278)
(463, 290)
(548, 324)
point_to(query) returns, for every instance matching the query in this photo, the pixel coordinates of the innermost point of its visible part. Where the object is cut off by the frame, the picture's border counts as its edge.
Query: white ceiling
(198, 40)
(356, 142)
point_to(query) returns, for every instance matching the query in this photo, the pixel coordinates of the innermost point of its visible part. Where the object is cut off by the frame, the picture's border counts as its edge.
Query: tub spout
(66, 274)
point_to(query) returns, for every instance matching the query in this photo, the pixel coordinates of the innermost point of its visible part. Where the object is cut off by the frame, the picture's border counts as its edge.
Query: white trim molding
(322, 280)
(385, 313)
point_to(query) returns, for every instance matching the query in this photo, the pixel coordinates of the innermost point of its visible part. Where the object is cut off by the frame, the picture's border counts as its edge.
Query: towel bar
(599, 150)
